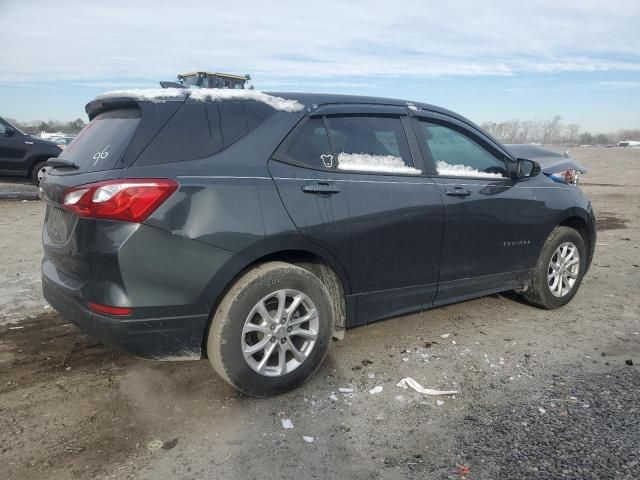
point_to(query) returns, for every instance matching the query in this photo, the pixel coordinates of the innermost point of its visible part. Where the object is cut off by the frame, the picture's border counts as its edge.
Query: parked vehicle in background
(23, 155)
(63, 141)
(251, 227)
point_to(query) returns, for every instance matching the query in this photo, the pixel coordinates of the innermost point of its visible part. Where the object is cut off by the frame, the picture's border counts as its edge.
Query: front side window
(3, 129)
(311, 146)
(370, 144)
(455, 154)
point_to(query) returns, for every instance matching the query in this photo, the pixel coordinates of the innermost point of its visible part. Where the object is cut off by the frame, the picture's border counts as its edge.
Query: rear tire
(288, 348)
(37, 173)
(558, 273)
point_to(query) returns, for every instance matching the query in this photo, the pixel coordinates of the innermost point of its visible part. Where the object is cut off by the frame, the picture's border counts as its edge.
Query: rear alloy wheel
(559, 270)
(272, 329)
(280, 333)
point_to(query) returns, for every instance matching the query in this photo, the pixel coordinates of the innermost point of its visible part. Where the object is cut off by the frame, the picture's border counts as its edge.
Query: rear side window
(102, 142)
(370, 144)
(202, 129)
(310, 146)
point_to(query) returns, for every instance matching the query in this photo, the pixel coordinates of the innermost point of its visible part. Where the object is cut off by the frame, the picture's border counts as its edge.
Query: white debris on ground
(333, 397)
(287, 424)
(308, 439)
(445, 335)
(154, 445)
(445, 168)
(371, 376)
(376, 389)
(345, 390)
(409, 382)
(160, 95)
(542, 410)
(440, 402)
(364, 162)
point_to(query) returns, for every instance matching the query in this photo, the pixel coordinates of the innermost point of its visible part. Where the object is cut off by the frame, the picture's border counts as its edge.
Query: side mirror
(8, 132)
(527, 168)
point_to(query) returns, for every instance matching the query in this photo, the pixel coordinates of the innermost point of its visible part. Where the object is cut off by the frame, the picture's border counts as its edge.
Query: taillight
(106, 309)
(127, 200)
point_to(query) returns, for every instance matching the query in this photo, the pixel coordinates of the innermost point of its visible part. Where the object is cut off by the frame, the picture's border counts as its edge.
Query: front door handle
(458, 192)
(320, 188)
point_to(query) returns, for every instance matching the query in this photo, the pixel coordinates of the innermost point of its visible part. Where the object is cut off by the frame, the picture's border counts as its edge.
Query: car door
(12, 149)
(489, 218)
(394, 213)
(373, 208)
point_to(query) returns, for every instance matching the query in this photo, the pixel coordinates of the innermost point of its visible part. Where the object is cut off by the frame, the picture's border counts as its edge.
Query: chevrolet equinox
(252, 228)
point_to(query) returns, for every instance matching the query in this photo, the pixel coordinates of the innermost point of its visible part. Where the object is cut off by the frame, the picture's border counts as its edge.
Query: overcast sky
(487, 60)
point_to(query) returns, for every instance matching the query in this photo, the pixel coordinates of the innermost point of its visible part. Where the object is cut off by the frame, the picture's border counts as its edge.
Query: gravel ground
(72, 409)
(579, 427)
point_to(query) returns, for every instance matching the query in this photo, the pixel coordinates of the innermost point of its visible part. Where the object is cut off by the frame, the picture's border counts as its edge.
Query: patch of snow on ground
(159, 95)
(445, 168)
(364, 162)
(287, 423)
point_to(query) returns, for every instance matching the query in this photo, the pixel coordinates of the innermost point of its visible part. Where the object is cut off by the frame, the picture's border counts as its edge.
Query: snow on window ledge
(445, 168)
(160, 95)
(364, 162)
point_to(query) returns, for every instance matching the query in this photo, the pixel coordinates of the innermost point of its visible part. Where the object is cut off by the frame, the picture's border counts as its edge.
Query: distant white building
(629, 143)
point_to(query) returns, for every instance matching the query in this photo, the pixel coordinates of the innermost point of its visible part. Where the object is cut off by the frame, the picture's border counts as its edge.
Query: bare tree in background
(573, 130)
(551, 129)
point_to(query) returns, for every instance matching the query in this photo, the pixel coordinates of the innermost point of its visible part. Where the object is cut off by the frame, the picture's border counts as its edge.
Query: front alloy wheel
(563, 269)
(558, 272)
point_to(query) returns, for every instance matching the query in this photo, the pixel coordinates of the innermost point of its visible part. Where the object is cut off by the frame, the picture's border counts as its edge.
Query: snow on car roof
(160, 95)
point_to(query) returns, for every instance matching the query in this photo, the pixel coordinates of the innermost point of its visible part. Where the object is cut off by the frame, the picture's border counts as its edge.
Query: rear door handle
(458, 192)
(320, 188)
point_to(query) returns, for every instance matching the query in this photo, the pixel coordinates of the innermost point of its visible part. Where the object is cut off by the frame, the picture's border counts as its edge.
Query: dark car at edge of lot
(23, 155)
(251, 228)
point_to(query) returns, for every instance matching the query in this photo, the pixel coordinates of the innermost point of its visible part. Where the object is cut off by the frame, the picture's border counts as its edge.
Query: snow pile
(277, 103)
(156, 95)
(445, 168)
(160, 95)
(365, 162)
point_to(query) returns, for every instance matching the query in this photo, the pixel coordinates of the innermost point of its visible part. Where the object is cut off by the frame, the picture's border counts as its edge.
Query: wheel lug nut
(272, 327)
(283, 340)
(283, 321)
(273, 339)
(289, 329)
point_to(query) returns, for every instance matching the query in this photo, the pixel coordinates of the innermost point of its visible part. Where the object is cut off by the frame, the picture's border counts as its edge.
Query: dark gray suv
(252, 228)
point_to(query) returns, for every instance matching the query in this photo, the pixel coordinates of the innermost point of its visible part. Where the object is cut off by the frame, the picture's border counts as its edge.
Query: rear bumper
(164, 338)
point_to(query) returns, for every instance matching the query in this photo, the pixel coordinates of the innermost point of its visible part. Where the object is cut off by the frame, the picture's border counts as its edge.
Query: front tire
(38, 172)
(559, 270)
(272, 329)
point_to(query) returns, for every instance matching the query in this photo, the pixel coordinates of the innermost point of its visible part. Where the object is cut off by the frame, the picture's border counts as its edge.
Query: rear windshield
(102, 142)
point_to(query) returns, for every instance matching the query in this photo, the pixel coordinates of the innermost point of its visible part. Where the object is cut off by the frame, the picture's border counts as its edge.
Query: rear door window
(309, 146)
(102, 142)
(370, 144)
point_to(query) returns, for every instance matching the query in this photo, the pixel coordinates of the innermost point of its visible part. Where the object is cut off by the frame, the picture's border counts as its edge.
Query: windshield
(9, 124)
(102, 142)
